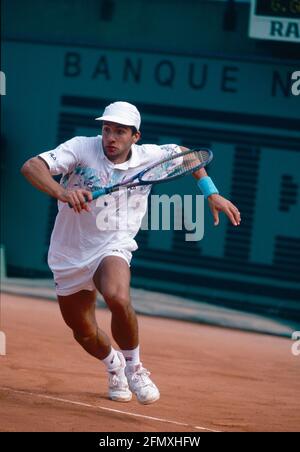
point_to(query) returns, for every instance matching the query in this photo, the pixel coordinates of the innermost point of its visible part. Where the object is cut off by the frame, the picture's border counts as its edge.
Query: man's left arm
(216, 202)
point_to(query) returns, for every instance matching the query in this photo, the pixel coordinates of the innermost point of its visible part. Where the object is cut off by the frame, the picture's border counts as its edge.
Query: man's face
(117, 140)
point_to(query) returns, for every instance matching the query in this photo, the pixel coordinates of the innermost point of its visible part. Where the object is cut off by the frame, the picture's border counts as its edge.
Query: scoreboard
(277, 20)
(278, 8)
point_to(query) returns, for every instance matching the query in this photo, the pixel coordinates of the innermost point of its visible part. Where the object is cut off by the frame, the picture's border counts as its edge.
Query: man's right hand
(37, 172)
(77, 199)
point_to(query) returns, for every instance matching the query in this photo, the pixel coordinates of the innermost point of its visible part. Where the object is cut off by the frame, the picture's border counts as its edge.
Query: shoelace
(141, 376)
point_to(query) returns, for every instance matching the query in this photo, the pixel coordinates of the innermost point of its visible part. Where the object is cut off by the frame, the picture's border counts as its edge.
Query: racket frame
(129, 183)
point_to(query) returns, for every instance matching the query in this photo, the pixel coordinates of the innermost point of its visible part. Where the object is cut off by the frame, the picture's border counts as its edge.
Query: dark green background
(197, 79)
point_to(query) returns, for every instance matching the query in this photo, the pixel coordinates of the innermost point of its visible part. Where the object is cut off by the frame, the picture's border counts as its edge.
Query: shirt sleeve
(64, 158)
(169, 150)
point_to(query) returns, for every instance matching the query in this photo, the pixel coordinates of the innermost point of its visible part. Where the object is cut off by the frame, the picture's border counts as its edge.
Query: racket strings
(177, 165)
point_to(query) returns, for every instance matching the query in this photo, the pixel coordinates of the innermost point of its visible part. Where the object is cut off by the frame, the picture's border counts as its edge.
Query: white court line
(87, 405)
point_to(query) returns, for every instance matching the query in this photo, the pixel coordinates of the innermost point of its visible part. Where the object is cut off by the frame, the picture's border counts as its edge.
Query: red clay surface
(209, 377)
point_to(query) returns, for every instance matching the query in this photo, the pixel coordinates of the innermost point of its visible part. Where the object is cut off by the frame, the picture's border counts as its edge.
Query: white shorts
(72, 280)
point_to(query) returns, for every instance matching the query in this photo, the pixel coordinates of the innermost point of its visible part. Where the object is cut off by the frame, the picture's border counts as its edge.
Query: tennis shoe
(117, 382)
(141, 385)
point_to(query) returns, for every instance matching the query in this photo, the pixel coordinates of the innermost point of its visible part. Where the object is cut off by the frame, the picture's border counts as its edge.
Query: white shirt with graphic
(114, 220)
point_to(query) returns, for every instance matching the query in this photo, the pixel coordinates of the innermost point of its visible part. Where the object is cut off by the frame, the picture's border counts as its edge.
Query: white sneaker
(140, 383)
(117, 382)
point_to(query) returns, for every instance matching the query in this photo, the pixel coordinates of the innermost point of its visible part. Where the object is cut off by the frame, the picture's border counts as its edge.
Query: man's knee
(116, 300)
(81, 327)
(83, 331)
(84, 337)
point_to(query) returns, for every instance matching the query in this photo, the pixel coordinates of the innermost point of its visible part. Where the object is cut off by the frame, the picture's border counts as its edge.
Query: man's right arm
(37, 172)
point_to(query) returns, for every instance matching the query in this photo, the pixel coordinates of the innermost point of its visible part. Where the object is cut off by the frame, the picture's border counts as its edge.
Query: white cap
(122, 113)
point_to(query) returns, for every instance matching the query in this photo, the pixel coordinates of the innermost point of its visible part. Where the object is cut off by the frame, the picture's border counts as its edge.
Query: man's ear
(136, 137)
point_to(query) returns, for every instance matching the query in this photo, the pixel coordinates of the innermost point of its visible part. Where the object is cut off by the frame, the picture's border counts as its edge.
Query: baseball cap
(122, 113)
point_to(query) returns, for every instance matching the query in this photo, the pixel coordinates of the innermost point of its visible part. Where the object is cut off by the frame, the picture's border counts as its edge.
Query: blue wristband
(207, 187)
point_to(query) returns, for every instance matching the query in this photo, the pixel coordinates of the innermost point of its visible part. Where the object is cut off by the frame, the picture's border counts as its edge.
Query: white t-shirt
(114, 220)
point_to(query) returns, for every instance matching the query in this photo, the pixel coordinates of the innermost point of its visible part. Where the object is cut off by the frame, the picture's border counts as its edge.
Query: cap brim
(115, 119)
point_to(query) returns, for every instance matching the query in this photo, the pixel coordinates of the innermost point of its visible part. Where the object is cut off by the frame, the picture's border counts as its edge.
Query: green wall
(238, 104)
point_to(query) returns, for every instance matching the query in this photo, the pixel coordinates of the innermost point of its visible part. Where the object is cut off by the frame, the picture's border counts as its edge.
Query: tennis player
(85, 259)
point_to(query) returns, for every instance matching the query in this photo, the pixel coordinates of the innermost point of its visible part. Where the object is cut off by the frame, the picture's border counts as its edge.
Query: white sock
(132, 357)
(112, 360)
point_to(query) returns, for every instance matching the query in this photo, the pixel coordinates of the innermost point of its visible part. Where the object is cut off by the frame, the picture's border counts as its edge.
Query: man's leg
(112, 279)
(78, 311)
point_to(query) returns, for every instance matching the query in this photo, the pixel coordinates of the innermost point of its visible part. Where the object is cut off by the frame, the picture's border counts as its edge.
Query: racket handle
(95, 195)
(100, 192)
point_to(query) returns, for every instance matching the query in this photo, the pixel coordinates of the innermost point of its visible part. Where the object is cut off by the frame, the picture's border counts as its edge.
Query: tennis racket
(170, 168)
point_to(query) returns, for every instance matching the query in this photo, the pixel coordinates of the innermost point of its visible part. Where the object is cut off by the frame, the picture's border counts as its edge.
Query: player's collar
(133, 162)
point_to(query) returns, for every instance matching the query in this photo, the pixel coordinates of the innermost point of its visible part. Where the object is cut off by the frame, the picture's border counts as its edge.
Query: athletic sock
(132, 357)
(112, 361)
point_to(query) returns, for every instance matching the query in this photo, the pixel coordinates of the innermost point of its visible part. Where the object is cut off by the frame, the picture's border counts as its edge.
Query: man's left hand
(219, 204)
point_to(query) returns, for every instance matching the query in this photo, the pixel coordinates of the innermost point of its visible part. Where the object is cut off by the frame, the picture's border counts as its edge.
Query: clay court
(211, 379)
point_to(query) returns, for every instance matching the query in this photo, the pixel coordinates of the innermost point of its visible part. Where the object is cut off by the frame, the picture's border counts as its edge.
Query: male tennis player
(84, 258)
